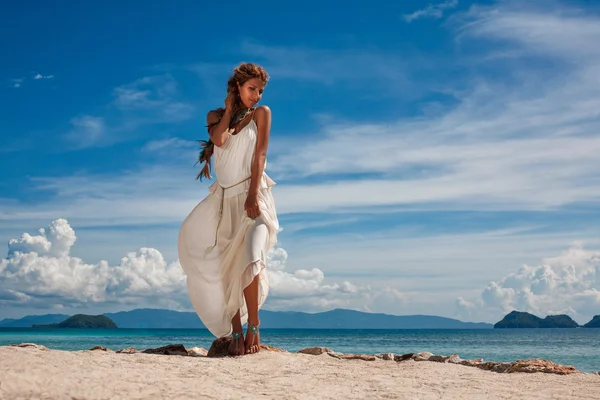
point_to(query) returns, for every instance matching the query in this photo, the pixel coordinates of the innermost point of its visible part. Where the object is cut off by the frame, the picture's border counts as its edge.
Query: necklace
(240, 115)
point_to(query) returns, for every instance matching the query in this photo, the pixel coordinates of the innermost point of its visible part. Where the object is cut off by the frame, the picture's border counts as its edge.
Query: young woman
(223, 242)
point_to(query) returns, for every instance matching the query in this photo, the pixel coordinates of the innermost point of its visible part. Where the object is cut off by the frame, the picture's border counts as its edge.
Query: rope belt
(223, 189)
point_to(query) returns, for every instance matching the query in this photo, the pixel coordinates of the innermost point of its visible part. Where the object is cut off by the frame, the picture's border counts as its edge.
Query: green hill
(82, 321)
(516, 319)
(594, 323)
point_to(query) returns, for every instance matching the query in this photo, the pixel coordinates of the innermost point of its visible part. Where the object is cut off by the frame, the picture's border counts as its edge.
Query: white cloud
(169, 144)
(566, 284)
(306, 289)
(528, 141)
(40, 76)
(431, 11)
(153, 98)
(389, 74)
(145, 101)
(87, 131)
(39, 271)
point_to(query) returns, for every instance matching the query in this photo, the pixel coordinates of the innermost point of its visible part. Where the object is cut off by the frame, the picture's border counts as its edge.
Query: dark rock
(472, 363)
(100, 348)
(168, 350)
(436, 358)
(403, 357)
(220, 347)
(494, 366)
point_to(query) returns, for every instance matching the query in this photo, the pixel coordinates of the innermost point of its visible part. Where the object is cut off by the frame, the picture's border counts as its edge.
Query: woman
(223, 242)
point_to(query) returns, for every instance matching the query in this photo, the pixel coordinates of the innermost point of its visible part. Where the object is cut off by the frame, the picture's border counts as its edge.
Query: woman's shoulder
(262, 112)
(214, 115)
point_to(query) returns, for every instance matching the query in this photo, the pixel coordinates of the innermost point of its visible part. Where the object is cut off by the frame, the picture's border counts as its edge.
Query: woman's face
(251, 92)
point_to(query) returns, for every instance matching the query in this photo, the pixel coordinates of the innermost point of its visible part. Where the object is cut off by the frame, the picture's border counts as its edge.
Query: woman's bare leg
(251, 295)
(237, 347)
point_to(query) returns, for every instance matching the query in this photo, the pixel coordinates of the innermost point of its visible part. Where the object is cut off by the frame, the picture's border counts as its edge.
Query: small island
(594, 323)
(82, 321)
(516, 319)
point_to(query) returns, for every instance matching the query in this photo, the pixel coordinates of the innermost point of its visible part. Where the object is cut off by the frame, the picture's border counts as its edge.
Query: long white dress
(220, 248)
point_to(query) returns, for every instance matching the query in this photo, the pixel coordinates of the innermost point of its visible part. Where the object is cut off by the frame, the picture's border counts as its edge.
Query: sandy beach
(30, 373)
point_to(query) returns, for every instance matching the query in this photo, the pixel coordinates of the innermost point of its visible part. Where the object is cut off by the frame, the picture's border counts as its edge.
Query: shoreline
(28, 370)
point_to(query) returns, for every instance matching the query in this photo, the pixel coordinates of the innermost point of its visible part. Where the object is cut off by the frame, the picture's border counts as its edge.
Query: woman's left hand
(251, 206)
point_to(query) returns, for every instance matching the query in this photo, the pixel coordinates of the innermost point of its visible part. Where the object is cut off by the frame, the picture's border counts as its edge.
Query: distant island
(594, 323)
(516, 319)
(148, 318)
(81, 321)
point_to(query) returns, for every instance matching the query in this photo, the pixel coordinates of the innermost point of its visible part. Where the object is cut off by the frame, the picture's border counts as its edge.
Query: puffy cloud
(307, 289)
(39, 271)
(566, 284)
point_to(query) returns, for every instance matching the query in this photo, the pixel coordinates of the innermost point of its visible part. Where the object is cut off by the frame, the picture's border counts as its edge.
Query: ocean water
(577, 347)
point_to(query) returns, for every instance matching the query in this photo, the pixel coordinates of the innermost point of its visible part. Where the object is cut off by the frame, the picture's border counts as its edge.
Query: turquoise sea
(577, 347)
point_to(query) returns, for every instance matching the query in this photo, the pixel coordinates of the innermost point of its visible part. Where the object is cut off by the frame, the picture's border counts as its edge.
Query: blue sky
(431, 157)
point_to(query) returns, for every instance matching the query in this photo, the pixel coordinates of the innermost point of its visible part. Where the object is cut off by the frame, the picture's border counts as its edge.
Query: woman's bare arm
(220, 132)
(262, 117)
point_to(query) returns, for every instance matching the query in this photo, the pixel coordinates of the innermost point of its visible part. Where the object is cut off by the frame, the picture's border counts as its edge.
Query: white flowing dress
(220, 248)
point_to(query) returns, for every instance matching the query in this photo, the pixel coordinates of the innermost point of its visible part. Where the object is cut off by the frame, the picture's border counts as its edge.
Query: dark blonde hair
(241, 74)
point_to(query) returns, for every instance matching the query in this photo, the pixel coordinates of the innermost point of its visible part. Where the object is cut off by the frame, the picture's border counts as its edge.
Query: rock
(437, 358)
(423, 356)
(197, 352)
(539, 365)
(35, 346)
(454, 359)
(168, 350)
(471, 363)
(220, 347)
(315, 351)
(403, 357)
(128, 350)
(494, 366)
(336, 354)
(364, 357)
(388, 356)
(100, 348)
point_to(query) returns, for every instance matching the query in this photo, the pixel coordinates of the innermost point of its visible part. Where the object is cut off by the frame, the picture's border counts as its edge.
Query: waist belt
(221, 203)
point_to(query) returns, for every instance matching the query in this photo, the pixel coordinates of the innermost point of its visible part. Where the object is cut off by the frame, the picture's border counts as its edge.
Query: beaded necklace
(240, 115)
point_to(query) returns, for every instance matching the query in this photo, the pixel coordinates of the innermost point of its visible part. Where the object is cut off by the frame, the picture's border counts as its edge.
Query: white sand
(35, 374)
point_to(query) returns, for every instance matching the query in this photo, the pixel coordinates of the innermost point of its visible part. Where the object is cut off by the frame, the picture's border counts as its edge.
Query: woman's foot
(252, 339)
(237, 345)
